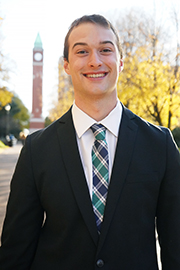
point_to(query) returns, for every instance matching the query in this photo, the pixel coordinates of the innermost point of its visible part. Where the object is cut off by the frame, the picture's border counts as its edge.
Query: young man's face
(94, 61)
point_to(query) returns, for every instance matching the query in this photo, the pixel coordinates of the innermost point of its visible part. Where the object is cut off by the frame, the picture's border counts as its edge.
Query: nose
(95, 60)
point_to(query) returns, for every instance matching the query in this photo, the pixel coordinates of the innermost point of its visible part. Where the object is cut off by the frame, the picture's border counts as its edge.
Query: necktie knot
(99, 131)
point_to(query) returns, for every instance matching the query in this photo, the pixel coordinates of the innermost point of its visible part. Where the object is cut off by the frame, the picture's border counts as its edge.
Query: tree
(47, 121)
(65, 93)
(176, 135)
(148, 84)
(150, 89)
(176, 21)
(20, 113)
(17, 118)
(5, 95)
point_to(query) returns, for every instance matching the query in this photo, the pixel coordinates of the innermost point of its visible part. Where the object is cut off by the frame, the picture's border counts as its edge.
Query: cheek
(77, 64)
(113, 63)
(115, 68)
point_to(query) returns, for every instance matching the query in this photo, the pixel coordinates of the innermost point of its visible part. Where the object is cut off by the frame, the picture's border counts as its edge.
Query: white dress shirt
(85, 137)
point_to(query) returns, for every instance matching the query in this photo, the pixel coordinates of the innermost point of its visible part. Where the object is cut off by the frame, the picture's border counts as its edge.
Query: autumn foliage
(149, 85)
(65, 94)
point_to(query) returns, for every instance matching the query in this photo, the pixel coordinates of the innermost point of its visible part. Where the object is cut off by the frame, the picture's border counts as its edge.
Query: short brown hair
(96, 19)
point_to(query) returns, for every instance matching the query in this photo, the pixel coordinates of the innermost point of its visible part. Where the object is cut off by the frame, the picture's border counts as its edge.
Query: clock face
(38, 56)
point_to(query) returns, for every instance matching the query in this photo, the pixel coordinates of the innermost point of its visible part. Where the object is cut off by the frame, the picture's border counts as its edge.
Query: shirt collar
(111, 122)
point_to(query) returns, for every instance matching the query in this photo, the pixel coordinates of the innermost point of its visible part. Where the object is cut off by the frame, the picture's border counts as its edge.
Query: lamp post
(7, 108)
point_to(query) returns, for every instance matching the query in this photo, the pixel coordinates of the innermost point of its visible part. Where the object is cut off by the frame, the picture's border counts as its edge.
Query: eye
(82, 52)
(106, 50)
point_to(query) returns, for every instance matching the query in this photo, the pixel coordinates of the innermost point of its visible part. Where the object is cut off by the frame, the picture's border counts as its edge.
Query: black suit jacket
(144, 191)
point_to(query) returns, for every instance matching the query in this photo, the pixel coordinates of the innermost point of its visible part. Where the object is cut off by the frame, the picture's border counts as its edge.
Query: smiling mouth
(99, 75)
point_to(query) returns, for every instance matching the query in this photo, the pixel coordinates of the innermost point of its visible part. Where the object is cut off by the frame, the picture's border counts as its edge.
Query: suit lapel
(125, 145)
(72, 160)
(71, 157)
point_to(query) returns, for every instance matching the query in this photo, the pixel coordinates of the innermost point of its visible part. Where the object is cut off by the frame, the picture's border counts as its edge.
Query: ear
(66, 67)
(121, 66)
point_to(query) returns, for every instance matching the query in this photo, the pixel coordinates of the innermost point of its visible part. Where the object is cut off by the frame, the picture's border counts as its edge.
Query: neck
(97, 109)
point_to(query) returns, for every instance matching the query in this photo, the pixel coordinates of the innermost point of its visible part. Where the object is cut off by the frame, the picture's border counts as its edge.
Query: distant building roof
(38, 42)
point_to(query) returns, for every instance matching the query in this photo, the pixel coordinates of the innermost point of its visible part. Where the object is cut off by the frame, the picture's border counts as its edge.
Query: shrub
(176, 135)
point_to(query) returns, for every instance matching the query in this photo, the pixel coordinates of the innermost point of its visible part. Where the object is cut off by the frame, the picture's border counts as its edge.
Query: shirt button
(100, 263)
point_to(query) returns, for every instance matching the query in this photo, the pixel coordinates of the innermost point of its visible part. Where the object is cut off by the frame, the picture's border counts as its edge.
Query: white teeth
(95, 75)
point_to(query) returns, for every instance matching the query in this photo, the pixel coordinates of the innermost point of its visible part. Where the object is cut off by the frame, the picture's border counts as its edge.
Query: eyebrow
(85, 44)
(79, 43)
(107, 41)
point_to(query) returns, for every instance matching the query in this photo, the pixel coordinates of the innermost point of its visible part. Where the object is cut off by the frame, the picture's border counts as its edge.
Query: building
(36, 120)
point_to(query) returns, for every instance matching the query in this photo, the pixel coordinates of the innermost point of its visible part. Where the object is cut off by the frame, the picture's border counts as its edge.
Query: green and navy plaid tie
(100, 164)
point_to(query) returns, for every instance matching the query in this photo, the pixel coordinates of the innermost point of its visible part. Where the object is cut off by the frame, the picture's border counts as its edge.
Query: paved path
(8, 159)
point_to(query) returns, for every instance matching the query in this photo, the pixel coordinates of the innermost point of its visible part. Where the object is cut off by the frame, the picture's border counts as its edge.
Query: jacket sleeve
(168, 209)
(24, 217)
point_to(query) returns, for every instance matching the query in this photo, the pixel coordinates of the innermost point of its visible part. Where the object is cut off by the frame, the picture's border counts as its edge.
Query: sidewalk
(8, 159)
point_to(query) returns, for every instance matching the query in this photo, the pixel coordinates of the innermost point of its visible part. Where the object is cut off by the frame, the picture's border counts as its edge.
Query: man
(89, 190)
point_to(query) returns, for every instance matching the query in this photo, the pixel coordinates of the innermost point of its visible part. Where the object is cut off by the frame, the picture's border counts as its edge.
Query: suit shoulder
(146, 126)
(48, 133)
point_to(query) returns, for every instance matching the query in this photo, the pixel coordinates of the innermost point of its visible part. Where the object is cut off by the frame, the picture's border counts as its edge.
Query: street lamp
(7, 108)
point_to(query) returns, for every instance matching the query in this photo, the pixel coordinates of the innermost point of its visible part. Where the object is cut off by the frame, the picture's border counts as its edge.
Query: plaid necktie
(100, 163)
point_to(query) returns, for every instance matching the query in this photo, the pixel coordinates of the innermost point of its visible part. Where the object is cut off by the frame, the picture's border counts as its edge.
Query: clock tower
(36, 120)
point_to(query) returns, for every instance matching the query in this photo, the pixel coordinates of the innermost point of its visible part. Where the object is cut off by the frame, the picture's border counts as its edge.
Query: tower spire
(38, 42)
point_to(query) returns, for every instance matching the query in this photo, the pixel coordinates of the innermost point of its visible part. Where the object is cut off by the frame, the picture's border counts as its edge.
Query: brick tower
(37, 121)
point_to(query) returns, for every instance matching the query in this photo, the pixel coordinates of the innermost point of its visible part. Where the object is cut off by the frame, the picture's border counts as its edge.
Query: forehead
(91, 34)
